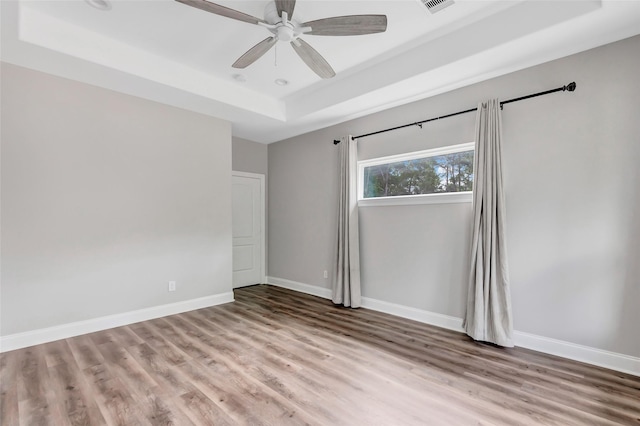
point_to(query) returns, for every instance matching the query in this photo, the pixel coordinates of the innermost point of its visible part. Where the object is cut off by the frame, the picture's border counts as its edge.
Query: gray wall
(106, 198)
(248, 156)
(572, 185)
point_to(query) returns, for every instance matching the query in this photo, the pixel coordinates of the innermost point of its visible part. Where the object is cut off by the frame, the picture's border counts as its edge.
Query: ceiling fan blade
(348, 25)
(313, 59)
(285, 6)
(255, 53)
(221, 10)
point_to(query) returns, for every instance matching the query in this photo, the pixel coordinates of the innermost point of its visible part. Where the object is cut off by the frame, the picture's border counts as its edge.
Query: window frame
(394, 200)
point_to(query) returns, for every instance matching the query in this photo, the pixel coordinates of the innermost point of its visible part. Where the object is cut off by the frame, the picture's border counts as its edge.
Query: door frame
(263, 219)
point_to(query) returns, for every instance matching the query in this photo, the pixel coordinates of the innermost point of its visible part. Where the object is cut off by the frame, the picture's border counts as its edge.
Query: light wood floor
(276, 357)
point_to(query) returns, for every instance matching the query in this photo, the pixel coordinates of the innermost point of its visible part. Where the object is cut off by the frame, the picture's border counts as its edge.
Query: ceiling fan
(284, 29)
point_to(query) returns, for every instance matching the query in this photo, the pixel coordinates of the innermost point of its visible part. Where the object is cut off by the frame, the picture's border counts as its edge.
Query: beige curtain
(488, 313)
(346, 280)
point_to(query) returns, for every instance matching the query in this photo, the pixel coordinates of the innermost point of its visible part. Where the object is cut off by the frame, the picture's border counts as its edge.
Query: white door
(248, 228)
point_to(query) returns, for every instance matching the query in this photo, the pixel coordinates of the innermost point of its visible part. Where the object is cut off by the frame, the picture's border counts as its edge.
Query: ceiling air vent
(437, 5)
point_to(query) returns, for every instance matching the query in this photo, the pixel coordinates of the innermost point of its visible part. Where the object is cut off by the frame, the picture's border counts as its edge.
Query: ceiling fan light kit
(284, 29)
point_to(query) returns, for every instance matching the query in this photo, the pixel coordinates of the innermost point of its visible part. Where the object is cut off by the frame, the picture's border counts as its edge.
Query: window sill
(403, 200)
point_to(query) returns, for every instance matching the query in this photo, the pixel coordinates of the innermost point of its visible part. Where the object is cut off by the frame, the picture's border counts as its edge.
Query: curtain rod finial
(336, 141)
(571, 86)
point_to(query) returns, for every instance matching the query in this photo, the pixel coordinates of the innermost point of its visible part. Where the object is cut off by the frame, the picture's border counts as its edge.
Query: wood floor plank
(152, 404)
(9, 367)
(124, 365)
(126, 337)
(170, 381)
(303, 314)
(117, 403)
(572, 370)
(159, 409)
(203, 410)
(215, 354)
(340, 383)
(454, 369)
(85, 352)
(164, 347)
(277, 357)
(390, 364)
(159, 401)
(291, 379)
(74, 396)
(32, 387)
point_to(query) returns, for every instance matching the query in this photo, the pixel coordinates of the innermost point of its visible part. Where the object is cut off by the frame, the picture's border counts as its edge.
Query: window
(441, 175)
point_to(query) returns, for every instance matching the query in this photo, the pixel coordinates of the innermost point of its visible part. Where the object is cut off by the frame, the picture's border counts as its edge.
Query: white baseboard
(431, 318)
(64, 331)
(612, 360)
(325, 293)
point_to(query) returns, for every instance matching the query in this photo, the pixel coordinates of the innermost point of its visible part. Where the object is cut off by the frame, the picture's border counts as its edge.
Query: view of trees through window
(428, 175)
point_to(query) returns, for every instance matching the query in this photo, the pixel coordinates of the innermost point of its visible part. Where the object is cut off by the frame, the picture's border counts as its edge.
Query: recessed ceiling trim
(51, 33)
(452, 48)
(386, 81)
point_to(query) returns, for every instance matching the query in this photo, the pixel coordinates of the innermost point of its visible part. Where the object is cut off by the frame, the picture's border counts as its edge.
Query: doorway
(248, 216)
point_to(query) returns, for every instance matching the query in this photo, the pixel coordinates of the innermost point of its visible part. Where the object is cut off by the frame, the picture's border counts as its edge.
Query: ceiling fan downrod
(285, 30)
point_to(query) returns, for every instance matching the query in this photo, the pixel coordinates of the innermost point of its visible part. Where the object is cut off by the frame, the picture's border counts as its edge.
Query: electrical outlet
(172, 286)
(326, 275)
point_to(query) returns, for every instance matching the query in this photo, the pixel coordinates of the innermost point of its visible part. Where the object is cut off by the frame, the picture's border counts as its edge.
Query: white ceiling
(172, 53)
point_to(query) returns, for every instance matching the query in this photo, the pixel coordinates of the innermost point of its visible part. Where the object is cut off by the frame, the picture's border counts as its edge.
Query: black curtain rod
(569, 87)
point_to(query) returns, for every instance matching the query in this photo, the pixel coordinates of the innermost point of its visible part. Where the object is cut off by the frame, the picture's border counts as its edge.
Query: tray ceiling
(168, 52)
